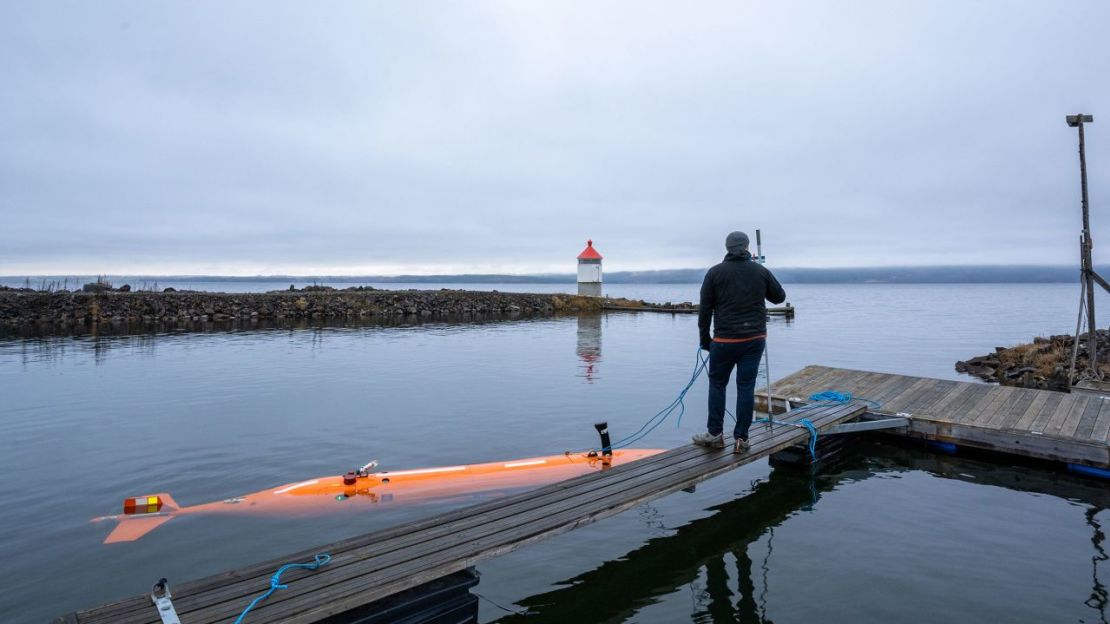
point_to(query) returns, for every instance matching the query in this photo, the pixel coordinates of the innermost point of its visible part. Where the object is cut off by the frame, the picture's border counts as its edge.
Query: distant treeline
(866, 275)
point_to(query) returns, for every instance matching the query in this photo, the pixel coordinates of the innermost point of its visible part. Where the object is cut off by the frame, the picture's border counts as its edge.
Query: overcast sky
(367, 138)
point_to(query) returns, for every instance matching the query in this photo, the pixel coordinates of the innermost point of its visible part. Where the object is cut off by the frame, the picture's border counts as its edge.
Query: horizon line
(518, 275)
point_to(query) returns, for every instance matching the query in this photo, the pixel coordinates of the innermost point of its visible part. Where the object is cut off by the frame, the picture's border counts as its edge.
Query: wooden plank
(799, 386)
(833, 379)
(611, 490)
(1019, 401)
(988, 401)
(1074, 403)
(799, 391)
(1101, 430)
(933, 395)
(878, 384)
(911, 395)
(982, 416)
(944, 392)
(949, 399)
(788, 386)
(887, 394)
(1050, 406)
(889, 389)
(958, 411)
(1025, 420)
(1089, 414)
(864, 384)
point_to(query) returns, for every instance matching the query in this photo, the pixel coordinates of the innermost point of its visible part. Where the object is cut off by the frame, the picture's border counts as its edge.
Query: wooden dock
(1044, 424)
(371, 567)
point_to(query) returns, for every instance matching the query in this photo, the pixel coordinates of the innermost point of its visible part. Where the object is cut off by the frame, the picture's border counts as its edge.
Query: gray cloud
(356, 138)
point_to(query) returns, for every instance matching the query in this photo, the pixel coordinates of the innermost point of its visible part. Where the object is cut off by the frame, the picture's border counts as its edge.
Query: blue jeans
(723, 357)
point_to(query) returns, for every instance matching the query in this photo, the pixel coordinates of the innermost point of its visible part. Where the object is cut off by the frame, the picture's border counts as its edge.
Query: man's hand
(705, 345)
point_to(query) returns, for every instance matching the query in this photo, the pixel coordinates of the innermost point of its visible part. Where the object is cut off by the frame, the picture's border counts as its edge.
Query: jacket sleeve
(705, 310)
(775, 293)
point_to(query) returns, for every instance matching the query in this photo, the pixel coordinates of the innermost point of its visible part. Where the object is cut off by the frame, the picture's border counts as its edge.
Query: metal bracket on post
(899, 422)
(160, 595)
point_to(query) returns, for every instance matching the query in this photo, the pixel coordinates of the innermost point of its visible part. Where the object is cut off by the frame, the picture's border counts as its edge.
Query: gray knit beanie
(736, 243)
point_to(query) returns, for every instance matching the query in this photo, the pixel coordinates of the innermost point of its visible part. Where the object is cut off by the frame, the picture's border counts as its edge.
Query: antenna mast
(1087, 271)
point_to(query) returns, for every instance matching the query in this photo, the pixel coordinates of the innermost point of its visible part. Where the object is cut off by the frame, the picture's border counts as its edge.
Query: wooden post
(1092, 372)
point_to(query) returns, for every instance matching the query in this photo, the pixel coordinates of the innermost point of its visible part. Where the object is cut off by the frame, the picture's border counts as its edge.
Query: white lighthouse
(589, 271)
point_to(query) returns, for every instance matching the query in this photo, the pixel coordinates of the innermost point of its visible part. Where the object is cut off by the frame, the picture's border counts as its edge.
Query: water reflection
(1098, 599)
(53, 343)
(724, 559)
(589, 345)
(703, 548)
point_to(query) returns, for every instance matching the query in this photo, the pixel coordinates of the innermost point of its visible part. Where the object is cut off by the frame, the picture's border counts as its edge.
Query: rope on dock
(818, 399)
(700, 364)
(275, 580)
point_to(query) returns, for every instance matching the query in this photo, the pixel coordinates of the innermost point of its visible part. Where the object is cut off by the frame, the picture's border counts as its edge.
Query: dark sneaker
(712, 441)
(741, 446)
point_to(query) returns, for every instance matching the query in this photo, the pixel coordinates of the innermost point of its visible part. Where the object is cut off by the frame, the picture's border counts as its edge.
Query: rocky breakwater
(1044, 364)
(21, 307)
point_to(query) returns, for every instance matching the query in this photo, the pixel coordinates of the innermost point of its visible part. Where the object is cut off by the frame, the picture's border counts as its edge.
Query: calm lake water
(889, 534)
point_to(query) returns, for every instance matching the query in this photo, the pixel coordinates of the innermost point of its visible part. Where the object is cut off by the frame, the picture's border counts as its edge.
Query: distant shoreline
(318, 303)
(1031, 274)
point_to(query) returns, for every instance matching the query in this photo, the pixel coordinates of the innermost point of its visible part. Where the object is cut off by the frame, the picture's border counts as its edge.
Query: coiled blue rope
(275, 580)
(819, 399)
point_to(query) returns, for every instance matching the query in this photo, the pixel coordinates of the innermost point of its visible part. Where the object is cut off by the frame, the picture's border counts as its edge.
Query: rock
(127, 288)
(96, 287)
(1013, 374)
(172, 289)
(984, 372)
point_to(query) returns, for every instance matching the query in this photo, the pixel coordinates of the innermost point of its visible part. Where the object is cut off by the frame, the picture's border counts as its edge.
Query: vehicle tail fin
(131, 528)
(141, 515)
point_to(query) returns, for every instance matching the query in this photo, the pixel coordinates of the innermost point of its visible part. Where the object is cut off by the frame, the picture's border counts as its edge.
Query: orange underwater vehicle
(143, 514)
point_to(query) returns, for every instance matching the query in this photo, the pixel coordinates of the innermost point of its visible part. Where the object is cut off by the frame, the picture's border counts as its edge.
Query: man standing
(732, 296)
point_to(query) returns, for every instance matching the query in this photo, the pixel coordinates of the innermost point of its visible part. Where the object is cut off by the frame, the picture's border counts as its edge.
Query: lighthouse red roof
(589, 253)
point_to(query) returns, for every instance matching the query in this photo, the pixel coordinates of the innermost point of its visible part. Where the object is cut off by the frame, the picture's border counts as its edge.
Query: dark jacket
(732, 296)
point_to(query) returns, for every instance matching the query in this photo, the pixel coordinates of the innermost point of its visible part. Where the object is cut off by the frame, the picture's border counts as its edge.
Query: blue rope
(662, 415)
(839, 397)
(819, 399)
(275, 580)
(701, 362)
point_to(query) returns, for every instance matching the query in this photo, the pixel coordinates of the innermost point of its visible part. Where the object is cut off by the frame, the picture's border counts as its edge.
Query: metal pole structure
(1092, 372)
(1078, 324)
